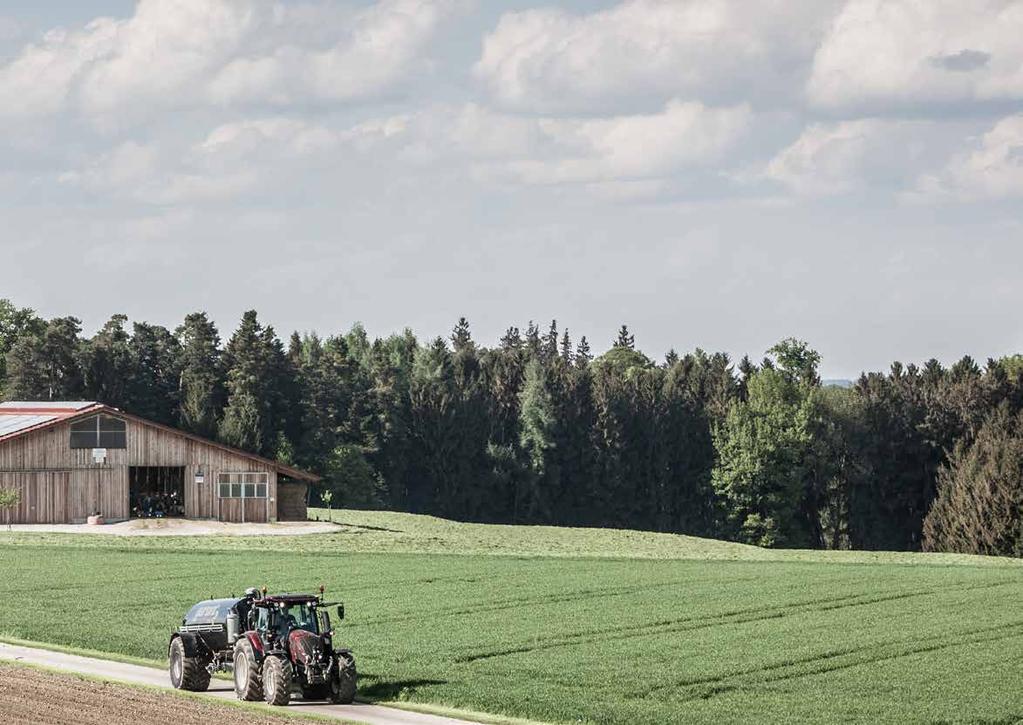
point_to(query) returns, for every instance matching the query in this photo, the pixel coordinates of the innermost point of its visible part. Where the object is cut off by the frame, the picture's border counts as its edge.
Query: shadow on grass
(369, 528)
(390, 690)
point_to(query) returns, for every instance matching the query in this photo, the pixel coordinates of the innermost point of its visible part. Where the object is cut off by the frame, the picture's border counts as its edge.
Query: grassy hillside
(389, 532)
(574, 625)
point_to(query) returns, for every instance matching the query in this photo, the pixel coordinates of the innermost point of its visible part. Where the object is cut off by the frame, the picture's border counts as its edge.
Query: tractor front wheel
(187, 673)
(247, 682)
(342, 684)
(277, 675)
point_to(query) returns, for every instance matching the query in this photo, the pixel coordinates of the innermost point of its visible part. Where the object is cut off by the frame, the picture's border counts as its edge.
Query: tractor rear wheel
(342, 684)
(187, 673)
(248, 685)
(277, 675)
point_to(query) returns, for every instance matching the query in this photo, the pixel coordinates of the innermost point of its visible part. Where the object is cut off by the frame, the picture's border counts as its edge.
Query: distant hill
(837, 383)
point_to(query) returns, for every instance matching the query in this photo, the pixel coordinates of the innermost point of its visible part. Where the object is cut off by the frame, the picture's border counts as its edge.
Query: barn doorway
(156, 492)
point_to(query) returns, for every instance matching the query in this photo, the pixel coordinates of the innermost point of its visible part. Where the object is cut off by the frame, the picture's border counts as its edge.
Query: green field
(573, 625)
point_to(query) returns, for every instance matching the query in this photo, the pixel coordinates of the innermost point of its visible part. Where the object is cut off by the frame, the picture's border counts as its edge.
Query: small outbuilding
(73, 460)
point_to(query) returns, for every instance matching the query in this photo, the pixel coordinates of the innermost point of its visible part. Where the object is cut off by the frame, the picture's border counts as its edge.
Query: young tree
(10, 498)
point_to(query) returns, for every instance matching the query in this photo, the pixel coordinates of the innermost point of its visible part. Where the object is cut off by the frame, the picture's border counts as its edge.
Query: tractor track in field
(516, 602)
(739, 616)
(220, 690)
(996, 634)
(1002, 631)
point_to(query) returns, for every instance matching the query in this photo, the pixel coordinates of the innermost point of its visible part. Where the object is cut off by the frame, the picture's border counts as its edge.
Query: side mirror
(340, 611)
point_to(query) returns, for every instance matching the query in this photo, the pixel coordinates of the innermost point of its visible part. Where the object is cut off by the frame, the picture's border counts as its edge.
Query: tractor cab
(276, 617)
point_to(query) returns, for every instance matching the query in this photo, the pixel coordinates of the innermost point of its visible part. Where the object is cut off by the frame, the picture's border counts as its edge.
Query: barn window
(99, 431)
(242, 485)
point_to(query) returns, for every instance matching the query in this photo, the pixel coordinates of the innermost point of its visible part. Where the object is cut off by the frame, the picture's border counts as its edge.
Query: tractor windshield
(298, 616)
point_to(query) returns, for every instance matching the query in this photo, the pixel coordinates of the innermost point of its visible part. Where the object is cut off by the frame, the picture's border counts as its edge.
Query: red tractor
(274, 645)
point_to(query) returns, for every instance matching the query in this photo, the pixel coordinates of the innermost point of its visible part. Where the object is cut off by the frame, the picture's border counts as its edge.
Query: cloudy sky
(715, 173)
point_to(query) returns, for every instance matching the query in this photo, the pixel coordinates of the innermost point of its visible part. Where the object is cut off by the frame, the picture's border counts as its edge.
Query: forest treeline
(539, 430)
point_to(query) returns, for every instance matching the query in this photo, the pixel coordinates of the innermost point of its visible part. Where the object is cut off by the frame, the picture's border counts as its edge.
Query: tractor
(274, 645)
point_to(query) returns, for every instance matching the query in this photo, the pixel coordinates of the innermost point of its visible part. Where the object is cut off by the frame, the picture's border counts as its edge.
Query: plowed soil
(34, 697)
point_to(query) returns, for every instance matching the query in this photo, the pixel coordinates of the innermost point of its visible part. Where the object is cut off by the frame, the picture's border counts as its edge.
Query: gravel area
(183, 527)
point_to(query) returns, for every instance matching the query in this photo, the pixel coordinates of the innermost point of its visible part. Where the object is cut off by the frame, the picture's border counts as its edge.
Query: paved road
(136, 674)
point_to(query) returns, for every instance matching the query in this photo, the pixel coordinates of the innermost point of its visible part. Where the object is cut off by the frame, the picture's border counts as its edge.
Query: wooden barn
(72, 460)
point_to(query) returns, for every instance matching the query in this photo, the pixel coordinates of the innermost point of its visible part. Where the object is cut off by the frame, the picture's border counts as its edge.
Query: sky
(713, 173)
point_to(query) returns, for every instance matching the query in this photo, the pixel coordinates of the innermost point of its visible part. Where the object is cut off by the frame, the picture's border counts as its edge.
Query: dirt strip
(34, 697)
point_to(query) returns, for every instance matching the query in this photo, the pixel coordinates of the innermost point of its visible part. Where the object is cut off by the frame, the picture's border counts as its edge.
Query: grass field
(574, 625)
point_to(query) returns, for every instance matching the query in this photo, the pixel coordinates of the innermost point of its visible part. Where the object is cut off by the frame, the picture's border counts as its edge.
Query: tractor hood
(304, 646)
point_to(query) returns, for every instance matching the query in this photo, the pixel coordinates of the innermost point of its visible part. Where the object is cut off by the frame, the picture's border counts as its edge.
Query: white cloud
(880, 155)
(888, 53)
(567, 150)
(825, 159)
(125, 166)
(192, 52)
(235, 159)
(284, 136)
(635, 147)
(553, 60)
(993, 170)
(619, 157)
(382, 44)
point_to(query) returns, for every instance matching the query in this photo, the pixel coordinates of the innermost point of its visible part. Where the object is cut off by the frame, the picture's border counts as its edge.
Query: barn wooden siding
(39, 464)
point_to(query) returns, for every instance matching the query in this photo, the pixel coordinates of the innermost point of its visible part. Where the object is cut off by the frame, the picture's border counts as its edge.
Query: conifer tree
(511, 340)
(201, 392)
(259, 414)
(625, 339)
(461, 338)
(550, 341)
(532, 340)
(583, 356)
(154, 373)
(979, 505)
(44, 364)
(566, 348)
(540, 419)
(106, 364)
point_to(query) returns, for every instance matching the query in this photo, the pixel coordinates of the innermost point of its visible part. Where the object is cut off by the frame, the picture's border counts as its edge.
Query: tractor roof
(287, 598)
